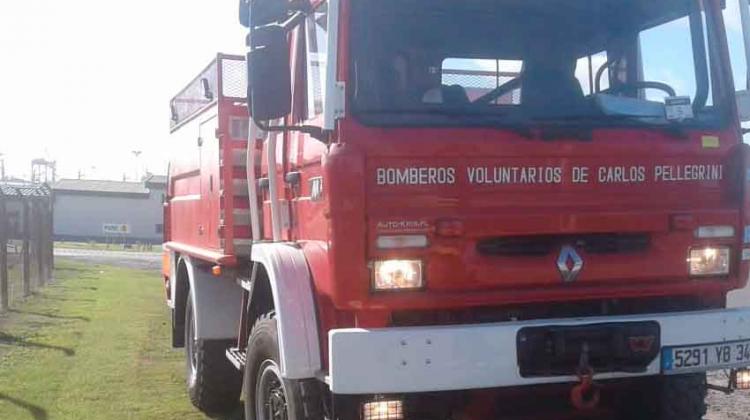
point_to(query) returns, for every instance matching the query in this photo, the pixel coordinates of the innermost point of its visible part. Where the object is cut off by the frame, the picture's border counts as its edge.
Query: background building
(109, 211)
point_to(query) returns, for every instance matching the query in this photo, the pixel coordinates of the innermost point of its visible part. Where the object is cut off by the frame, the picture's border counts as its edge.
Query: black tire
(681, 397)
(684, 397)
(213, 383)
(295, 400)
(178, 331)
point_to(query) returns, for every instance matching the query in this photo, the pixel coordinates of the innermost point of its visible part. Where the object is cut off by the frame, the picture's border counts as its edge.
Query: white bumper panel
(425, 359)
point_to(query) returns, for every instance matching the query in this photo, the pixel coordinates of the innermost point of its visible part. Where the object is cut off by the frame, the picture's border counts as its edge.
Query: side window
(667, 57)
(480, 76)
(736, 43)
(586, 70)
(316, 41)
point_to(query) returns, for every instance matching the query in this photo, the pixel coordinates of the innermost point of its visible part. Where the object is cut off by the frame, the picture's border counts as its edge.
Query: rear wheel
(680, 397)
(213, 383)
(268, 395)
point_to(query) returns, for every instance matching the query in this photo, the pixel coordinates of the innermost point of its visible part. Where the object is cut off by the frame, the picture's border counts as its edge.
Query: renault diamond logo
(569, 263)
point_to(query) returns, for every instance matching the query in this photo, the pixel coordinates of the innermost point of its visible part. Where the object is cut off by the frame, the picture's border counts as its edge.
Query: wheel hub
(271, 402)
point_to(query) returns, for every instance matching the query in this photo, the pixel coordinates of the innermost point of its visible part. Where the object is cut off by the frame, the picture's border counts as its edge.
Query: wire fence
(26, 241)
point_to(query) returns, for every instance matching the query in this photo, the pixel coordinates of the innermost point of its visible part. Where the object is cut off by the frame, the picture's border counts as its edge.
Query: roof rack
(223, 79)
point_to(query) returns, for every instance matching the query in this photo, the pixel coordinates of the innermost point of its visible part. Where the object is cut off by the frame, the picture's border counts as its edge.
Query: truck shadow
(237, 414)
(40, 296)
(53, 316)
(37, 412)
(17, 341)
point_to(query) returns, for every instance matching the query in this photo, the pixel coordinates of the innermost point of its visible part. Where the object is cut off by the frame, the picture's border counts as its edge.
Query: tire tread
(218, 384)
(684, 397)
(307, 391)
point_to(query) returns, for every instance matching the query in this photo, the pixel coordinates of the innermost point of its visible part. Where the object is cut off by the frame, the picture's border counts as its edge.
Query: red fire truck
(478, 209)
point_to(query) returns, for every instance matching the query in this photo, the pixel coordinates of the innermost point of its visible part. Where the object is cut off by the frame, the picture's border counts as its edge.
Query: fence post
(26, 251)
(51, 228)
(44, 236)
(4, 298)
(40, 240)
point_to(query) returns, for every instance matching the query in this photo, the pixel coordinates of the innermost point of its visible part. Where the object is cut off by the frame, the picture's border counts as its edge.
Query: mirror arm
(313, 131)
(295, 20)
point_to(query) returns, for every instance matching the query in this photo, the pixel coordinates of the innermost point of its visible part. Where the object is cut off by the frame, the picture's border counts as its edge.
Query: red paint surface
(338, 232)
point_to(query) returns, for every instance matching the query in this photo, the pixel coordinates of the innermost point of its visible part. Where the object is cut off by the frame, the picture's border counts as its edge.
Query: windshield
(514, 61)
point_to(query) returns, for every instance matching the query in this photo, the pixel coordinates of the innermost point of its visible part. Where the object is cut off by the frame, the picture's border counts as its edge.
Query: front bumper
(430, 359)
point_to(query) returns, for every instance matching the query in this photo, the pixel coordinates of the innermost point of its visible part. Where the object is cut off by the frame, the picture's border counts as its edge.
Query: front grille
(550, 310)
(598, 243)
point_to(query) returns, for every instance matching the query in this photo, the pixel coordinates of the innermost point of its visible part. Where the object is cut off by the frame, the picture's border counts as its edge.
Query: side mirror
(269, 76)
(254, 13)
(245, 13)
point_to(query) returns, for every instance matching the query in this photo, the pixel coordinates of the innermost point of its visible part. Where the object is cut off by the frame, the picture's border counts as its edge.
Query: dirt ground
(727, 407)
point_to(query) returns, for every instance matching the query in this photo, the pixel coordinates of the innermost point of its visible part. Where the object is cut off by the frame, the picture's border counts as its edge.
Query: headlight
(709, 261)
(397, 274)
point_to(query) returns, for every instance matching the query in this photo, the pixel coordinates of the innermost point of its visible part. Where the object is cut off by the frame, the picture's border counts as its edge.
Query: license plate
(704, 357)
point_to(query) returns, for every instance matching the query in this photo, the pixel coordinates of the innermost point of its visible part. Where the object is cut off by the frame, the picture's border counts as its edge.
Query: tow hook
(586, 395)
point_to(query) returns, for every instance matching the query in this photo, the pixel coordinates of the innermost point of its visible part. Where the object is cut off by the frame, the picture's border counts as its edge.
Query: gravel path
(737, 405)
(127, 259)
(727, 407)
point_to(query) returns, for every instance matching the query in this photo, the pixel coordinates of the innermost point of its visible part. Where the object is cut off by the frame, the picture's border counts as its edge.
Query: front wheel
(268, 395)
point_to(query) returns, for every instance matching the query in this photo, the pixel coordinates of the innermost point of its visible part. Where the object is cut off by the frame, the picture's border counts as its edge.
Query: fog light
(397, 274)
(743, 378)
(383, 410)
(709, 261)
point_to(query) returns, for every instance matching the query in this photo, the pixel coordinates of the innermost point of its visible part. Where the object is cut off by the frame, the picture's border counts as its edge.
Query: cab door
(304, 176)
(737, 22)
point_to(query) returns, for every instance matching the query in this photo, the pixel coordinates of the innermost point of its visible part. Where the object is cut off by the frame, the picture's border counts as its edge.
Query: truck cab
(454, 207)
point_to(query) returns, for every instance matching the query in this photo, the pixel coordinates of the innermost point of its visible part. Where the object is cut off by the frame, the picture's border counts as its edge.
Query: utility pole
(2, 167)
(137, 154)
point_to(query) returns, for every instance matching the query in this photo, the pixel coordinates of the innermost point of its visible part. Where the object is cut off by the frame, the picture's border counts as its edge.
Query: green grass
(93, 345)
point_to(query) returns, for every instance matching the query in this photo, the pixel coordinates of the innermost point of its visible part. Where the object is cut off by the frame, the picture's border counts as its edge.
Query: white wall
(79, 216)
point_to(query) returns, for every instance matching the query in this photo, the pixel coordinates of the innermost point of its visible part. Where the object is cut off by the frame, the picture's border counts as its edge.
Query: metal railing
(477, 83)
(26, 241)
(223, 78)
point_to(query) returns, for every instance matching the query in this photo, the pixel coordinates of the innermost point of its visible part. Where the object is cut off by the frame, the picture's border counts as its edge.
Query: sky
(87, 82)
